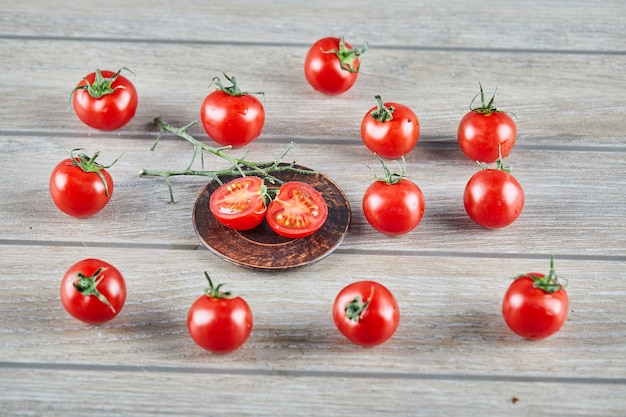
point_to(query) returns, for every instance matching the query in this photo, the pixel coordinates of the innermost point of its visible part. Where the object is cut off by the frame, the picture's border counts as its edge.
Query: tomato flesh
(239, 203)
(298, 210)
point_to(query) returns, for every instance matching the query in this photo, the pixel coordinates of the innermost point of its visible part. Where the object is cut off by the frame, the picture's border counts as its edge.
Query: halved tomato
(240, 203)
(298, 210)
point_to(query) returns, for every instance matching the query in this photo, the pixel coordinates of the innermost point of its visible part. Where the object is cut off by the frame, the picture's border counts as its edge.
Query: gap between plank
(294, 373)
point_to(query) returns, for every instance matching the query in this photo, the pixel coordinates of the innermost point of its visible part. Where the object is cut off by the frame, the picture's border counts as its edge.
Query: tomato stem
(382, 113)
(487, 108)
(390, 178)
(88, 286)
(347, 56)
(549, 283)
(239, 166)
(89, 164)
(214, 291)
(232, 90)
(101, 85)
(355, 308)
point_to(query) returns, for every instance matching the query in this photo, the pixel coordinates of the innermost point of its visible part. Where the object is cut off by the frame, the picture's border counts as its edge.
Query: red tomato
(240, 203)
(366, 313)
(485, 133)
(390, 130)
(105, 100)
(297, 211)
(331, 66)
(93, 291)
(393, 205)
(493, 198)
(231, 117)
(218, 321)
(79, 186)
(535, 305)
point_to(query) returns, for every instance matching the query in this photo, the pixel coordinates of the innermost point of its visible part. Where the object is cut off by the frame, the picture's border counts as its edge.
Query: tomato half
(105, 100)
(535, 305)
(79, 186)
(485, 133)
(230, 116)
(297, 211)
(240, 204)
(390, 130)
(366, 313)
(493, 198)
(331, 65)
(93, 291)
(218, 321)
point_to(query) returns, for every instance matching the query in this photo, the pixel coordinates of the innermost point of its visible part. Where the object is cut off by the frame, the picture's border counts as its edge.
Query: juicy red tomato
(93, 291)
(297, 211)
(393, 205)
(390, 130)
(105, 100)
(535, 305)
(485, 133)
(240, 203)
(366, 313)
(218, 321)
(79, 186)
(231, 117)
(331, 66)
(493, 198)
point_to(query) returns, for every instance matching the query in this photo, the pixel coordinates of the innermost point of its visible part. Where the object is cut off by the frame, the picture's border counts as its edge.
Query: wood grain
(559, 66)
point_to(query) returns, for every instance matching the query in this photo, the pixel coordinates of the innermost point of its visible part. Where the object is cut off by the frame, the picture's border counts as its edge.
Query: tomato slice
(298, 210)
(240, 203)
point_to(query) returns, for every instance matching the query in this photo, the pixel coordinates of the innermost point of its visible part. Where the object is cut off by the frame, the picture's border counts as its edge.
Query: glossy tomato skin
(78, 193)
(111, 111)
(239, 204)
(493, 198)
(394, 138)
(89, 308)
(393, 209)
(298, 210)
(219, 325)
(531, 312)
(232, 120)
(376, 323)
(482, 136)
(322, 68)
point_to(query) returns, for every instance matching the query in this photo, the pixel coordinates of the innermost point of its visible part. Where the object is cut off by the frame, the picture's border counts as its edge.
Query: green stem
(88, 286)
(239, 166)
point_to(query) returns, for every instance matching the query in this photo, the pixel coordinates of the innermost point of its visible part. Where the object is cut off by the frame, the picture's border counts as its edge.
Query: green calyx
(215, 291)
(391, 178)
(549, 283)
(382, 113)
(101, 85)
(233, 89)
(88, 286)
(89, 164)
(485, 108)
(355, 308)
(347, 56)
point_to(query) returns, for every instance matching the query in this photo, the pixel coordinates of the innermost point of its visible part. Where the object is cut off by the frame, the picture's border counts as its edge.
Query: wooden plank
(450, 316)
(98, 392)
(547, 93)
(529, 25)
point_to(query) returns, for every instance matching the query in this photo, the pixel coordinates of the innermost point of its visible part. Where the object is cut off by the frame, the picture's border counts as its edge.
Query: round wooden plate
(261, 248)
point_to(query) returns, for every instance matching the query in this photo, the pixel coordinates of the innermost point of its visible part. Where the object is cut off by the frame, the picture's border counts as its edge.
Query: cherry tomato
(493, 198)
(393, 205)
(390, 130)
(219, 321)
(366, 313)
(485, 133)
(105, 100)
(231, 117)
(535, 305)
(331, 66)
(79, 186)
(240, 203)
(297, 211)
(93, 291)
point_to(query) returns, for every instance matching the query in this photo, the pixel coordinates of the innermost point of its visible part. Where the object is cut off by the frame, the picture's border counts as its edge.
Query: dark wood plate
(261, 248)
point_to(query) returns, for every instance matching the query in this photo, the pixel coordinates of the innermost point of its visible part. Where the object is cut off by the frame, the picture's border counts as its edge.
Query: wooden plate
(261, 248)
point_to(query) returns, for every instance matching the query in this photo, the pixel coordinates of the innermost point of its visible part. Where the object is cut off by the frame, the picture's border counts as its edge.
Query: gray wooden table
(559, 66)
